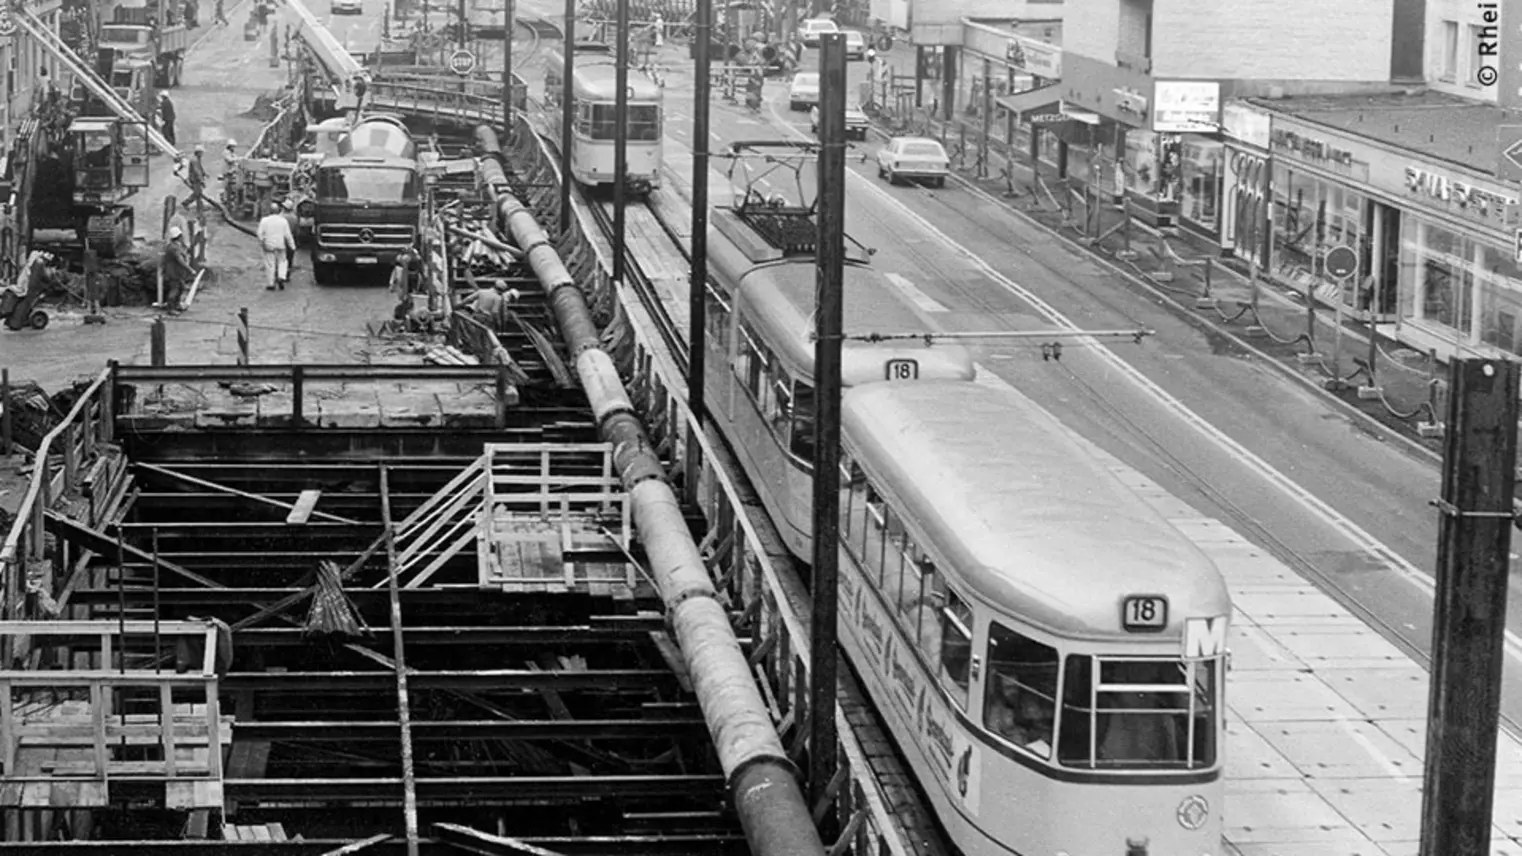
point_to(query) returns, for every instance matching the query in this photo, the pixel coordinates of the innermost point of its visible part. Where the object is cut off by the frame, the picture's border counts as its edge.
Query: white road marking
(1360, 538)
(920, 298)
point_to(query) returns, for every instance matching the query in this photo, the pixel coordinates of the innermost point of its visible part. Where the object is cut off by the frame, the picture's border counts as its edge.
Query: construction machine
(76, 185)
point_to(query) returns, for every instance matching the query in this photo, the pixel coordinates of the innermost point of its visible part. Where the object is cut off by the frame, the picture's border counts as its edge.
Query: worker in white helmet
(275, 239)
(175, 266)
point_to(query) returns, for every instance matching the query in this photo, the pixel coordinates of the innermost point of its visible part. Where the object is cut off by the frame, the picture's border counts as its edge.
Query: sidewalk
(1366, 369)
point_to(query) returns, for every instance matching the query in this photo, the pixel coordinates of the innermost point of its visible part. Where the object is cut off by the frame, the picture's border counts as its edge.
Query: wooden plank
(123, 768)
(277, 831)
(301, 512)
(260, 833)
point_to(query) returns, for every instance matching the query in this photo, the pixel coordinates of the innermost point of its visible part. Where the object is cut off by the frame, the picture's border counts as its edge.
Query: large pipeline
(762, 782)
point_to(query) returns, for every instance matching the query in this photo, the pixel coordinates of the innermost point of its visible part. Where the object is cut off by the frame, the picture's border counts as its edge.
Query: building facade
(23, 59)
(1154, 74)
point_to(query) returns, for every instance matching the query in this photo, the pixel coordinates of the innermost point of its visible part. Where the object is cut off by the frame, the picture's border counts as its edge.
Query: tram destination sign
(462, 62)
(1144, 613)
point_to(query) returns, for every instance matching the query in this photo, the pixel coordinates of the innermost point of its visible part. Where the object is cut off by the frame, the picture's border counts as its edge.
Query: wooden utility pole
(697, 308)
(1473, 553)
(567, 115)
(830, 277)
(620, 137)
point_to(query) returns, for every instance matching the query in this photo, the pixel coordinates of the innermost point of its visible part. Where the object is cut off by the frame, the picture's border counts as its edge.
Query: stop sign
(462, 62)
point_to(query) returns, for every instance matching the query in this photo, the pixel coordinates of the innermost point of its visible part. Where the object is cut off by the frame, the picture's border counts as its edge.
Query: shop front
(1244, 191)
(1436, 243)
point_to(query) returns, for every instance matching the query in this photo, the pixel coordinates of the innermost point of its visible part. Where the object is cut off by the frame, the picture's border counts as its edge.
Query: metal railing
(57, 468)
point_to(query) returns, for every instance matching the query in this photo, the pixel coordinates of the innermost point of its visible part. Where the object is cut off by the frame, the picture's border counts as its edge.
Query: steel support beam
(234, 492)
(475, 841)
(467, 636)
(619, 845)
(486, 680)
(540, 789)
(480, 729)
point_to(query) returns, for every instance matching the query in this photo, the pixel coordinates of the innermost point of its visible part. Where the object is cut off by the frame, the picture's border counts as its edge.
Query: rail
(740, 565)
(76, 439)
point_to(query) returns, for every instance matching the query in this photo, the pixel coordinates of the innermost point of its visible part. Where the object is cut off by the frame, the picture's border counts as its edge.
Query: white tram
(594, 89)
(760, 363)
(1047, 651)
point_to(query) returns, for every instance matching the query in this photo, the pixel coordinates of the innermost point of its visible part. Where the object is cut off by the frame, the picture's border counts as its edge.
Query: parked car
(804, 91)
(347, 7)
(810, 30)
(914, 158)
(856, 121)
(856, 45)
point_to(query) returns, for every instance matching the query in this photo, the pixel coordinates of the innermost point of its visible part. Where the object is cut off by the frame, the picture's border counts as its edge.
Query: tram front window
(644, 122)
(1140, 714)
(1020, 703)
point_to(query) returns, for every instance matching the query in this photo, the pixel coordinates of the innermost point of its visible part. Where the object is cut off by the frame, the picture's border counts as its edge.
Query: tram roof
(780, 300)
(596, 76)
(1030, 519)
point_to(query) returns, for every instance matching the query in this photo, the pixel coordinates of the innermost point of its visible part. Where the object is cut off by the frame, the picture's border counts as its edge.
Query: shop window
(1020, 702)
(1442, 276)
(1448, 66)
(1499, 281)
(956, 647)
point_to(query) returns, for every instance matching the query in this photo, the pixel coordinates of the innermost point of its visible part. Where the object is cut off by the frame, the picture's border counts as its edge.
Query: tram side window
(927, 617)
(781, 414)
(1020, 702)
(848, 515)
(859, 522)
(1141, 719)
(803, 421)
(956, 647)
(751, 365)
(717, 319)
(874, 539)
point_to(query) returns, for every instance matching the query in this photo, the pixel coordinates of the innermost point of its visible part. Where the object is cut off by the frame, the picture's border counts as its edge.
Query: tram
(760, 343)
(1047, 651)
(594, 129)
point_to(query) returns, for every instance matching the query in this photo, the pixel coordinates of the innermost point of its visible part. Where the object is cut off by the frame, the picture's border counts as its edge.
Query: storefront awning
(1042, 99)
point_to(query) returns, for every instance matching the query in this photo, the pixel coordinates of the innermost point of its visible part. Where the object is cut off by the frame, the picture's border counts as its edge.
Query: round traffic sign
(1340, 262)
(7, 25)
(462, 62)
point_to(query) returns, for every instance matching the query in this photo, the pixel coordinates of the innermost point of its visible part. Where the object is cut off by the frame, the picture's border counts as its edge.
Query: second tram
(594, 129)
(760, 344)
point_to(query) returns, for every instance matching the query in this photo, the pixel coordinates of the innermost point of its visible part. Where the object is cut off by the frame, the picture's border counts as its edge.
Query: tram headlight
(1192, 812)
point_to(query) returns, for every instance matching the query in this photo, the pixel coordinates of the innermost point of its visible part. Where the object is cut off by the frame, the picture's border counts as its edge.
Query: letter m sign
(1204, 637)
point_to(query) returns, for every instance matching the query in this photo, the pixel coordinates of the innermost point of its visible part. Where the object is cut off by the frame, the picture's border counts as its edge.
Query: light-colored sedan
(347, 7)
(856, 45)
(856, 121)
(804, 91)
(810, 30)
(914, 158)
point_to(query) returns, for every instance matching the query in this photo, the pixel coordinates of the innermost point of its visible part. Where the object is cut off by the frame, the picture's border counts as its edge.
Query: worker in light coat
(275, 239)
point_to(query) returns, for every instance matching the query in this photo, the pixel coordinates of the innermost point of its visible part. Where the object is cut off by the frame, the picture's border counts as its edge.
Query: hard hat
(232, 144)
(288, 204)
(174, 232)
(200, 149)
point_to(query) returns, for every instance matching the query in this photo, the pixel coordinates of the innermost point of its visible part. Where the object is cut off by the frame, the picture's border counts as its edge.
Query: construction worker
(275, 239)
(177, 271)
(288, 211)
(221, 19)
(197, 175)
(166, 117)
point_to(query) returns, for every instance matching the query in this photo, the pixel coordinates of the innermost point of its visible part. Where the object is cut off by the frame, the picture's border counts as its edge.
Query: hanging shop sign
(1186, 106)
(1130, 104)
(1460, 197)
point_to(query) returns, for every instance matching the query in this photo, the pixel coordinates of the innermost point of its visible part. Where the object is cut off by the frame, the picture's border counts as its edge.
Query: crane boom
(86, 75)
(335, 59)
